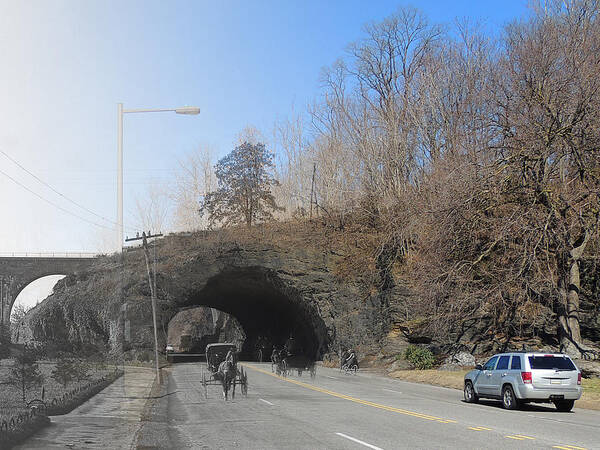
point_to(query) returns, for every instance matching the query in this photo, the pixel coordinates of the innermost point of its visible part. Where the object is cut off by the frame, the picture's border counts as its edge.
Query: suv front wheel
(470, 395)
(509, 400)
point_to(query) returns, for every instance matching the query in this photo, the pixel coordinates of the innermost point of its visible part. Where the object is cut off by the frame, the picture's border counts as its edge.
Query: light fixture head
(189, 110)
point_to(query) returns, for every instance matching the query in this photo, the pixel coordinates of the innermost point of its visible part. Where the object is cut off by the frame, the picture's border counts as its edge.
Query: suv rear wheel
(509, 400)
(564, 405)
(470, 395)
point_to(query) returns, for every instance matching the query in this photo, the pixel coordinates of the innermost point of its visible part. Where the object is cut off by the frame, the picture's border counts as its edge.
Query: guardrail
(48, 255)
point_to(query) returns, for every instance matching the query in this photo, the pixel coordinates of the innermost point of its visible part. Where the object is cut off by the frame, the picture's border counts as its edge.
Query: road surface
(338, 411)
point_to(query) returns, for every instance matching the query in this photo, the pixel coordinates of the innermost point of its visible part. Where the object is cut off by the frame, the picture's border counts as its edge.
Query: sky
(67, 63)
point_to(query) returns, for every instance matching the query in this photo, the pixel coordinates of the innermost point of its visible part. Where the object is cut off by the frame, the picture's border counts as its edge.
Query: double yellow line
(353, 399)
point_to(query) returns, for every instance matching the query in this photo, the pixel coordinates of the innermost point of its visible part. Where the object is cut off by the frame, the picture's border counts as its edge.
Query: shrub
(25, 372)
(421, 358)
(63, 372)
(81, 370)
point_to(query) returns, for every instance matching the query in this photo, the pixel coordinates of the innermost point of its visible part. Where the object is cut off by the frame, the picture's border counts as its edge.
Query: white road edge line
(358, 441)
(266, 401)
(333, 378)
(391, 390)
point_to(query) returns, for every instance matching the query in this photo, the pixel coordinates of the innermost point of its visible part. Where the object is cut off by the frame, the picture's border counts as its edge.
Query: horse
(300, 363)
(227, 373)
(275, 359)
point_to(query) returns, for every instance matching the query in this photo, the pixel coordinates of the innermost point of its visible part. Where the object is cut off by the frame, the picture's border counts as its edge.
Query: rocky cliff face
(273, 290)
(320, 287)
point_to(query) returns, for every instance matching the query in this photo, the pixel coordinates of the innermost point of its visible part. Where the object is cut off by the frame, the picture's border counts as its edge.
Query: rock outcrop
(192, 329)
(274, 291)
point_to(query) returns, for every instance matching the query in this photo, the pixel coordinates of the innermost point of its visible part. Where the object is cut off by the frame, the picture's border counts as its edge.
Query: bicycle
(352, 369)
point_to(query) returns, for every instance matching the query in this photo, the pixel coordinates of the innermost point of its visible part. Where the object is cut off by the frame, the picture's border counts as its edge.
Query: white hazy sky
(65, 64)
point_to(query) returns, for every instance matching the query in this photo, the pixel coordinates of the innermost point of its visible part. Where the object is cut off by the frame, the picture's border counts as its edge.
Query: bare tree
(153, 208)
(195, 178)
(549, 121)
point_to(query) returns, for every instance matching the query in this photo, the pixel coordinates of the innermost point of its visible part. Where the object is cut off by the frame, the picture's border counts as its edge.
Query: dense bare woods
(476, 162)
(473, 163)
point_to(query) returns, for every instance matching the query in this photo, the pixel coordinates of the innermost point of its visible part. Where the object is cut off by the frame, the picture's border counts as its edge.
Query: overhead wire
(60, 194)
(52, 203)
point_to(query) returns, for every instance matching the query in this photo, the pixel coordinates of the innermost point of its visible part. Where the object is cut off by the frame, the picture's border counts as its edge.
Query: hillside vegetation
(449, 180)
(475, 164)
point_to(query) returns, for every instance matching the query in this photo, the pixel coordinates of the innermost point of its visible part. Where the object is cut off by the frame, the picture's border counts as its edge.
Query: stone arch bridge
(17, 270)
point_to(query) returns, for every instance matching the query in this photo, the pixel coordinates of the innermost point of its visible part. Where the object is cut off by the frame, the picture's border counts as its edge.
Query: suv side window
(515, 364)
(490, 364)
(503, 362)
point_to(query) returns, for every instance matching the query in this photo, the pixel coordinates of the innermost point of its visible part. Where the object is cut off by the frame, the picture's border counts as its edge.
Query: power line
(54, 204)
(54, 190)
(59, 193)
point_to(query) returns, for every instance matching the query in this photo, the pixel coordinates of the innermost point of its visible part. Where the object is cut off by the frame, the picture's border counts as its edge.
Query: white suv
(522, 377)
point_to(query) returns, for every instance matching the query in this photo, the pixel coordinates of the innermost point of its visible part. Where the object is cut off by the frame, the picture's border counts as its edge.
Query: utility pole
(152, 282)
(312, 189)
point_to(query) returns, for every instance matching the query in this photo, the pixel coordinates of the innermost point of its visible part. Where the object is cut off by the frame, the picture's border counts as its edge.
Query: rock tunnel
(267, 308)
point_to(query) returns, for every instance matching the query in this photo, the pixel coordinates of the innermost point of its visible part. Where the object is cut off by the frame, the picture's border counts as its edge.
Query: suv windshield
(551, 362)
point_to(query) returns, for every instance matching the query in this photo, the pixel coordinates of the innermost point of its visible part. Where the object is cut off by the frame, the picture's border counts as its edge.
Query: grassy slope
(454, 379)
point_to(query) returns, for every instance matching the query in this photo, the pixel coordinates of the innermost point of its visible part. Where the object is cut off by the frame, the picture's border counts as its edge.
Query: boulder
(460, 359)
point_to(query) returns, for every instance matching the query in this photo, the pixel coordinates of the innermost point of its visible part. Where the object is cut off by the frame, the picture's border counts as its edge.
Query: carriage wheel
(313, 372)
(245, 384)
(204, 384)
(233, 392)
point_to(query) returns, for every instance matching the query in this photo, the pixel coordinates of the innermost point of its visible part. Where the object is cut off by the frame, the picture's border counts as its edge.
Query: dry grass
(454, 379)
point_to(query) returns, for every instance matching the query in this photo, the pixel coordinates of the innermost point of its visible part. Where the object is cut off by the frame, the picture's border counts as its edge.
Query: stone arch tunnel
(266, 307)
(273, 293)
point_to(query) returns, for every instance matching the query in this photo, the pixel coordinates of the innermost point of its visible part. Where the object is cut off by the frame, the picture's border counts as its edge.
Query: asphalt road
(338, 411)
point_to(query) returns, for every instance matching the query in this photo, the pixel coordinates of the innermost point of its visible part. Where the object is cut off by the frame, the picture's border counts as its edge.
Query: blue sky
(66, 64)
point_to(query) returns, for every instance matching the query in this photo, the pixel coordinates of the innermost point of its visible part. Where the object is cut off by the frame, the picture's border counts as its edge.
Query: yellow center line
(525, 437)
(569, 447)
(480, 428)
(515, 437)
(354, 399)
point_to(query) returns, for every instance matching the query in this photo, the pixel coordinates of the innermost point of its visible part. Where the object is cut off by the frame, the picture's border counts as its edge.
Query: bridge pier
(8, 288)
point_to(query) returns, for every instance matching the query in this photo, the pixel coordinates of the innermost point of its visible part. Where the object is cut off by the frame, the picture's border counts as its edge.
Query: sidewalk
(109, 420)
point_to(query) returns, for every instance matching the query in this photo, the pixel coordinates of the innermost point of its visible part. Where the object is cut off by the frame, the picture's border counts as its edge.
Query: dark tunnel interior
(268, 310)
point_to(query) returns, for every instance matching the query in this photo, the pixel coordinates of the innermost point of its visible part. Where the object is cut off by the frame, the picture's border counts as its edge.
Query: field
(11, 403)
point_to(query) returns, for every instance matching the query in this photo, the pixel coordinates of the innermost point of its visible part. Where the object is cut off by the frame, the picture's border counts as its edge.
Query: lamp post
(187, 110)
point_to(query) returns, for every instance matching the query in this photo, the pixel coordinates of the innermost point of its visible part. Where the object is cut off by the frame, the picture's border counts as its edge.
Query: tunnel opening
(192, 329)
(270, 312)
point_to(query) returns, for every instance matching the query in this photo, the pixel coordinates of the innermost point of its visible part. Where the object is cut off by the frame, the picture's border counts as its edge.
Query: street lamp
(187, 110)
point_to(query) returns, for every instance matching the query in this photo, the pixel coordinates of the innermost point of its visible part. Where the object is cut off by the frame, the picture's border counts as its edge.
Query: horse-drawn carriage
(222, 368)
(284, 363)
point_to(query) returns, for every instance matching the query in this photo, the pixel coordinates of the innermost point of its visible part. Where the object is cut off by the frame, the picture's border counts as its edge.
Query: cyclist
(351, 359)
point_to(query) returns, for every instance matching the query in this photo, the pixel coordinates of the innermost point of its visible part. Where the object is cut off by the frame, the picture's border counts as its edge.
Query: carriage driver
(230, 357)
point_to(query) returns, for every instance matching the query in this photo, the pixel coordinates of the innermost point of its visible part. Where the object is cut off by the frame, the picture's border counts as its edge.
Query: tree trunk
(569, 332)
